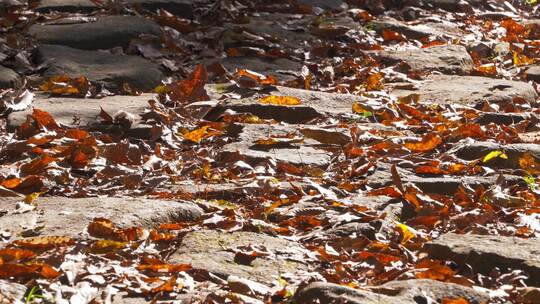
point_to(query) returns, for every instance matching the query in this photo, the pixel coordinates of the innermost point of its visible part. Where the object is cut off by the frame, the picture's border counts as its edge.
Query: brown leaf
(190, 89)
(427, 144)
(44, 242)
(8, 255)
(106, 229)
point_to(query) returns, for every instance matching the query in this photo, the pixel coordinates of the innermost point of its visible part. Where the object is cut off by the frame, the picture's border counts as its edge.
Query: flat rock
(418, 31)
(533, 73)
(101, 33)
(298, 153)
(313, 105)
(11, 292)
(325, 4)
(8, 78)
(101, 67)
(471, 150)
(280, 68)
(66, 6)
(180, 8)
(70, 216)
(408, 291)
(469, 90)
(210, 250)
(484, 252)
(80, 112)
(447, 59)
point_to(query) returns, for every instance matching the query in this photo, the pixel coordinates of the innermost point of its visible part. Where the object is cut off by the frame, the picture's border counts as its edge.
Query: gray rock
(70, 216)
(313, 105)
(471, 150)
(11, 292)
(280, 68)
(418, 31)
(448, 59)
(103, 33)
(297, 153)
(325, 4)
(108, 69)
(9, 78)
(207, 249)
(80, 112)
(484, 252)
(533, 73)
(181, 8)
(67, 6)
(454, 5)
(469, 90)
(409, 291)
(506, 118)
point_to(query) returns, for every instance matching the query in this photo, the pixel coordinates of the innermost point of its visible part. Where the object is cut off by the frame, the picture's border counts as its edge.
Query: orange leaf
(44, 119)
(280, 100)
(107, 246)
(10, 255)
(428, 143)
(528, 163)
(104, 228)
(374, 82)
(454, 301)
(11, 183)
(389, 35)
(196, 135)
(192, 88)
(168, 286)
(44, 242)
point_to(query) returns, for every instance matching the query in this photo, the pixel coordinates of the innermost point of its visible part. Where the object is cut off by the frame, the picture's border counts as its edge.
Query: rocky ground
(303, 151)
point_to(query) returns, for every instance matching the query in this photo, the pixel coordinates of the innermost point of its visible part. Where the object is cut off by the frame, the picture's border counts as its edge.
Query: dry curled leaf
(280, 100)
(427, 144)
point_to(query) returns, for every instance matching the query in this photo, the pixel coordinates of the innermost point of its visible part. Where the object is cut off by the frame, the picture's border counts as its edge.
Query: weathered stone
(104, 68)
(327, 135)
(181, 8)
(418, 31)
(294, 152)
(9, 78)
(208, 250)
(11, 292)
(68, 6)
(448, 59)
(471, 150)
(484, 252)
(80, 112)
(313, 105)
(506, 118)
(103, 33)
(280, 68)
(70, 216)
(409, 291)
(446, 185)
(325, 4)
(533, 73)
(469, 90)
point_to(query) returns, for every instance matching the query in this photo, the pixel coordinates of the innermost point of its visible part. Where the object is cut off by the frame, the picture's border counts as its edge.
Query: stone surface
(469, 90)
(417, 31)
(208, 250)
(101, 33)
(471, 150)
(313, 105)
(9, 78)
(484, 252)
(11, 293)
(70, 6)
(101, 67)
(280, 68)
(70, 216)
(533, 73)
(181, 8)
(297, 153)
(409, 291)
(325, 4)
(80, 112)
(448, 59)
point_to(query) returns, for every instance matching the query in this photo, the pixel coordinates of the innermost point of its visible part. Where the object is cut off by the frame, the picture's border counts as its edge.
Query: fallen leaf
(427, 144)
(280, 100)
(494, 154)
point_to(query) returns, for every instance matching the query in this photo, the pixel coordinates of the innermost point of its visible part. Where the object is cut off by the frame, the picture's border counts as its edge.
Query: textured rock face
(8, 78)
(409, 291)
(198, 246)
(77, 112)
(99, 33)
(469, 90)
(484, 252)
(448, 59)
(108, 69)
(69, 216)
(70, 6)
(181, 8)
